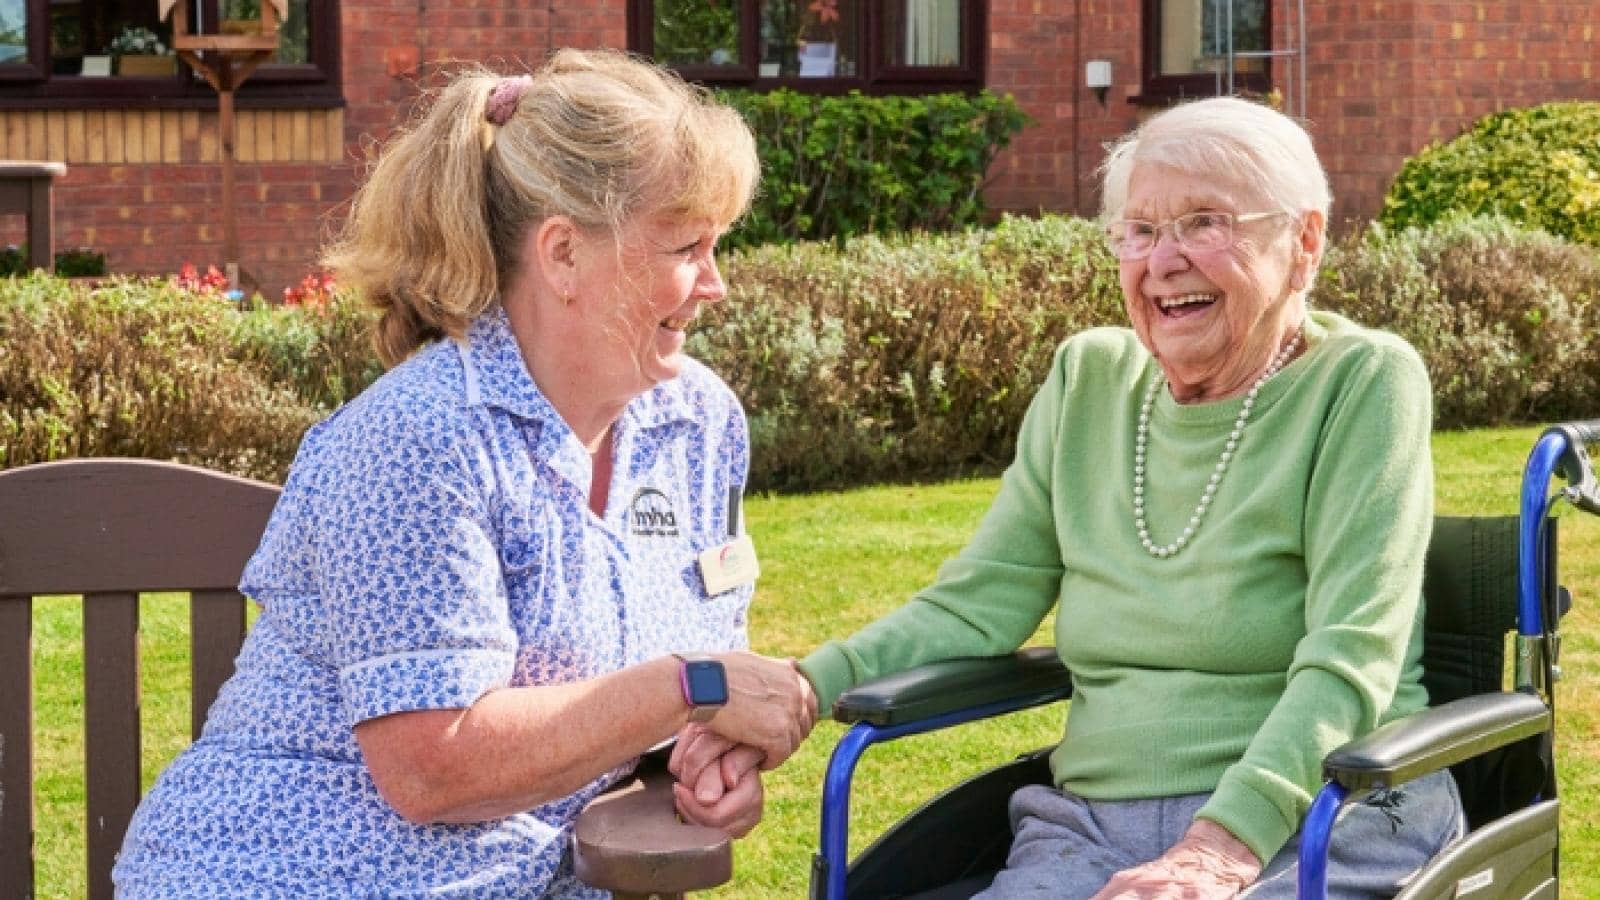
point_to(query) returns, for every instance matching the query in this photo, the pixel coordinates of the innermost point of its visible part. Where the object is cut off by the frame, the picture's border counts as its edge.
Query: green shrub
(900, 357)
(140, 368)
(691, 31)
(916, 356)
(80, 261)
(324, 352)
(837, 167)
(892, 358)
(71, 263)
(1504, 316)
(1539, 166)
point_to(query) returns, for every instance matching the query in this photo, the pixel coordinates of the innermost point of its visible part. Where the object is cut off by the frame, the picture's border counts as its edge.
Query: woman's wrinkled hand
(770, 706)
(699, 751)
(727, 795)
(1209, 863)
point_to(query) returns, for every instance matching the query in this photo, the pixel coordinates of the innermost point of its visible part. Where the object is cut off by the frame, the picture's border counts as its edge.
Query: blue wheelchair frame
(1560, 450)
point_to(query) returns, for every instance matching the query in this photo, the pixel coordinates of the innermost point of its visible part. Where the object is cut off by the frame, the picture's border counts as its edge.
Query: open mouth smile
(1185, 304)
(676, 323)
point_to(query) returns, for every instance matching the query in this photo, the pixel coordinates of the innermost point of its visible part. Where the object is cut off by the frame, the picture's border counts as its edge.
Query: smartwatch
(704, 683)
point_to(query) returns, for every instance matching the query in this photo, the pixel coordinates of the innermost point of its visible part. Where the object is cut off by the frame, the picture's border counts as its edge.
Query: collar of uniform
(664, 404)
(497, 376)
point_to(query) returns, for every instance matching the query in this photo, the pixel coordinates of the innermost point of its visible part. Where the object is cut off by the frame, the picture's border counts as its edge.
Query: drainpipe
(1077, 98)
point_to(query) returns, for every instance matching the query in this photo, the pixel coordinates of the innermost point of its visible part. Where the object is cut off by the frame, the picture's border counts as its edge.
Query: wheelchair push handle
(1574, 465)
(1586, 431)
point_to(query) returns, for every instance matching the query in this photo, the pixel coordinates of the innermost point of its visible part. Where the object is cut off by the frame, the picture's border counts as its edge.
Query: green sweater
(1291, 622)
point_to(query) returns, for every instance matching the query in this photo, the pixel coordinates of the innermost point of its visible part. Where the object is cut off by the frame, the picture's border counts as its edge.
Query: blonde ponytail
(597, 136)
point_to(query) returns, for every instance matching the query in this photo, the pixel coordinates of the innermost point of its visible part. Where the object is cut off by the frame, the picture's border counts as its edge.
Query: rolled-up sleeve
(412, 584)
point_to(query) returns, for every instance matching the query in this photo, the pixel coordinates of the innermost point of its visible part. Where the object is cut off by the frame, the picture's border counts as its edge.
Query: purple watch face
(706, 683)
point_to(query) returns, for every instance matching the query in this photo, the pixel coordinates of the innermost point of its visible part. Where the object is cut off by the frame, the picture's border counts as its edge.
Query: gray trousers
(1067, 847)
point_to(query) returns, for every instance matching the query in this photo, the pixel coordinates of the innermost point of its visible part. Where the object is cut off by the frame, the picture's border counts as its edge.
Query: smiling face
(1214, 320)
(660, 274)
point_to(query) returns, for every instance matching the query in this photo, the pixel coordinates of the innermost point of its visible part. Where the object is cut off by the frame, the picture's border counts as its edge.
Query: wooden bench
(110, 528)
(25, 189)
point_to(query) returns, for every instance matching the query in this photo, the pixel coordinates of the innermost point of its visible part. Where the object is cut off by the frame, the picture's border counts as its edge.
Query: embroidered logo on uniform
(650, 514)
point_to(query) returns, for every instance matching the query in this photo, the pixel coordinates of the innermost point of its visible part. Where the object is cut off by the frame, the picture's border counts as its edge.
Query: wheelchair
(1484, 577)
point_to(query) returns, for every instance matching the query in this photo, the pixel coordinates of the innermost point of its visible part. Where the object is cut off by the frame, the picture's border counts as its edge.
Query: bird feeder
(225, 52)
(232, 29)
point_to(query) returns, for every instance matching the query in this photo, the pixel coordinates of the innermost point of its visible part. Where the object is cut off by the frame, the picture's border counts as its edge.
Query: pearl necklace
(1139, 524)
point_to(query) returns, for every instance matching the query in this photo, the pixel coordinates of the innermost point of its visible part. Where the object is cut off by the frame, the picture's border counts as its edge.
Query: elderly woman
(481, 590)
(1227, 505)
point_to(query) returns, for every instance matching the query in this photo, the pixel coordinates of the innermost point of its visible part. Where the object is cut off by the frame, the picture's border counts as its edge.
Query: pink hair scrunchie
(503, 98)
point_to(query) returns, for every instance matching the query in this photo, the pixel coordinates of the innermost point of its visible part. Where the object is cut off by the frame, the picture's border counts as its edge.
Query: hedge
(890, 358)
(1539, 166)
(838, 167)
(1505, 317)
(139, 368)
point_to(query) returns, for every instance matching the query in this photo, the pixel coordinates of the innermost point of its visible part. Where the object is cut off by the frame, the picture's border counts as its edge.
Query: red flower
(315, 289)
(189, 279)
(826, 10)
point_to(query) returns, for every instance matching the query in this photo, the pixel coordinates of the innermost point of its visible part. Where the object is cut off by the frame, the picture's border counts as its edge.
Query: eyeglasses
(1197, 232)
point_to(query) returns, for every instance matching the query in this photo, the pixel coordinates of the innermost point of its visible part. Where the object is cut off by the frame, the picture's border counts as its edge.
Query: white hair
(1223, 137)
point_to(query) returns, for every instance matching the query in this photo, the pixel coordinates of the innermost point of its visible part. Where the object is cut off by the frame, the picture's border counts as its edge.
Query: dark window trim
(314, 85)
(876, 77)
(1162, 90)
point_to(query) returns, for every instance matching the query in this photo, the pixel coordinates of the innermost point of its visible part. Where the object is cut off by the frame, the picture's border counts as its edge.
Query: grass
(832, 562)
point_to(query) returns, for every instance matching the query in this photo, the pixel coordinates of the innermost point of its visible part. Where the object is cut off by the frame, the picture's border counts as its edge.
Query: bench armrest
(630, 841)
(1435, 738)
(1034, 676)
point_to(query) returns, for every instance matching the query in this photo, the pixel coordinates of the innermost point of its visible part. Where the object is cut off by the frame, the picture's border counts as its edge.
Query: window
(55, 52)
(1188, 44)
(878, 46)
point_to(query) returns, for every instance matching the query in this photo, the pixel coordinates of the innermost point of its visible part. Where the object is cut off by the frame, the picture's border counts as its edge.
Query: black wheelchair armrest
(1029, 677)
(1435, 738)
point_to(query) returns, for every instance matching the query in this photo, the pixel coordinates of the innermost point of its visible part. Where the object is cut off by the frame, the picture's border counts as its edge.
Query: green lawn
(832, 562)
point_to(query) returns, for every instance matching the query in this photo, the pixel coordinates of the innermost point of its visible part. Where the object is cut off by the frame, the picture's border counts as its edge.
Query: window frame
(874, 75)
(1157, 89)
(314, 84)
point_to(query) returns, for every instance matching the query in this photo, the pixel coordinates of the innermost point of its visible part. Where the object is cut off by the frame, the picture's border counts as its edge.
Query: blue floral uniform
(434, 542)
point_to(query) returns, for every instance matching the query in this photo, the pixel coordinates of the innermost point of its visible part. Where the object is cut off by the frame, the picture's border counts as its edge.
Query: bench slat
(16, 747)
(216, 632)
(111, 727)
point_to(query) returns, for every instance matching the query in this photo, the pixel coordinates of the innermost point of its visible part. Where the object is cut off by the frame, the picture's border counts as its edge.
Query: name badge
(730, 565)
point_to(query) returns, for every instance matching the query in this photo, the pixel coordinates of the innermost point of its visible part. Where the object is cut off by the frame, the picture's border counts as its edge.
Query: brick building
(1381, 78)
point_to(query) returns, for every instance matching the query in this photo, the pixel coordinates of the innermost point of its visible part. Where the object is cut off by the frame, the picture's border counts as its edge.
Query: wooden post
(25, 189)
(230, 212)
(225, 61)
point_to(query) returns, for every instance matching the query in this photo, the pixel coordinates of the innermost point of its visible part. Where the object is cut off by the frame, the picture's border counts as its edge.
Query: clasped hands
(717, 765)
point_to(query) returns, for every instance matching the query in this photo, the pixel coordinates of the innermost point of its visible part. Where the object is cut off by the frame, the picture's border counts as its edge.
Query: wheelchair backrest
(1470, 591)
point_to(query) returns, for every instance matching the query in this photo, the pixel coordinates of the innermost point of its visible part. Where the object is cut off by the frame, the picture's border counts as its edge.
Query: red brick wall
(152, 218)
(1385, 78)
(1037, 51)
(393, 46)
(1388, 78)
(1025, 50)
(145, 188)
(1401, 75)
